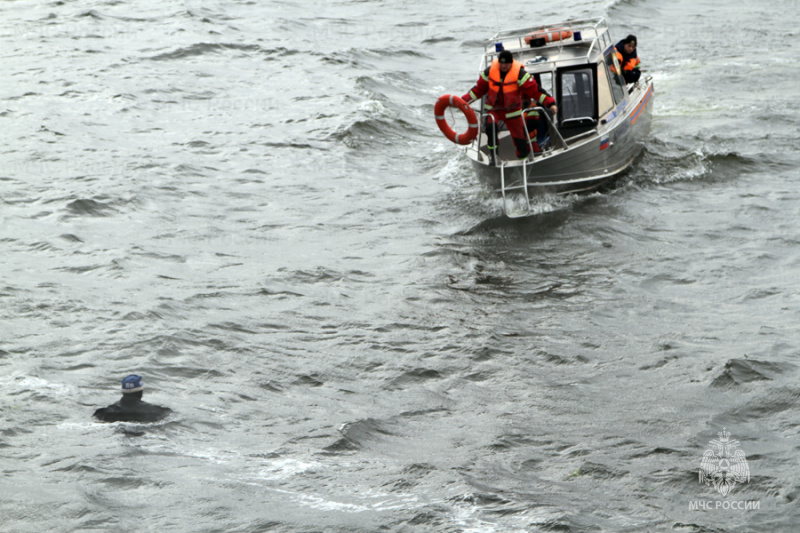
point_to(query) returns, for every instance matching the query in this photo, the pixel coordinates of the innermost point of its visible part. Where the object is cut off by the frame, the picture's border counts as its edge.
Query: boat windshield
(577, 107)
(545, 80)
(577, 94)
(617, 84)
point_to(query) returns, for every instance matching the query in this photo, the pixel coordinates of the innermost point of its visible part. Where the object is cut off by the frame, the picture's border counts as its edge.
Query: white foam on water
(19, 383)
(286, 468)
(372, 107)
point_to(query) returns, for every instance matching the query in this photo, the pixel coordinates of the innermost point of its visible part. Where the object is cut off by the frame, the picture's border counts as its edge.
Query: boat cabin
(575, 63)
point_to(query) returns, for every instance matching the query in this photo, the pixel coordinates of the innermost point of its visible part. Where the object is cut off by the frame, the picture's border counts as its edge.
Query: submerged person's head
(132, 386)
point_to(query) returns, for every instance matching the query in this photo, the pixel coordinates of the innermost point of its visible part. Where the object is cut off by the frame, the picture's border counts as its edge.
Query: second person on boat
(505, 83)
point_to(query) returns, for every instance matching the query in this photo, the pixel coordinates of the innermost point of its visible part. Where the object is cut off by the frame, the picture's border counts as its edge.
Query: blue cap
(132, 383)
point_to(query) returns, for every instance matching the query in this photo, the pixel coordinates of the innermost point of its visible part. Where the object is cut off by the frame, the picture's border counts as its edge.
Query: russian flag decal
(604, 143)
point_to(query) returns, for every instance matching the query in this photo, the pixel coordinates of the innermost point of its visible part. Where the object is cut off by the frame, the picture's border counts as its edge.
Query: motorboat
(600, 125)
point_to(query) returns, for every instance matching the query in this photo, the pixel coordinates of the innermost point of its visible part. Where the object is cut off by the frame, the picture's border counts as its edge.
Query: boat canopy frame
(593, 31)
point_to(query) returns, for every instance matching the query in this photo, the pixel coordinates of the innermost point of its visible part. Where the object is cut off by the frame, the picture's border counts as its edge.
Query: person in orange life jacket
(505, 83)
(627, 57)
(131, 408)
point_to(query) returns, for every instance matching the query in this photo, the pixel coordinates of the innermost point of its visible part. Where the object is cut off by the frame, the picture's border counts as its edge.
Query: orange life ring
(556, 34)
(456, 101)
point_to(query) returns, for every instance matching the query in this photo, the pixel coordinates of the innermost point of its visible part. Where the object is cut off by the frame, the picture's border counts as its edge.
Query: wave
(359, 434)
(416, 376)
(740, 371)
(89, 207)
(200, 49)
(666, 162)
(362, 59)
(367, 132)
(70, 237)
(371, 433)
(91, 14)
(436, 40)
(766, 403)
(550, 213)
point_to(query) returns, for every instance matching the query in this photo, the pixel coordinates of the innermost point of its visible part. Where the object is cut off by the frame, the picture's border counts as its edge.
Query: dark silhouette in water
(131, 408)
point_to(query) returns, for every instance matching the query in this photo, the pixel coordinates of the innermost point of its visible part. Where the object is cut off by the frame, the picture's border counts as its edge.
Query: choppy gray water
(249, 204)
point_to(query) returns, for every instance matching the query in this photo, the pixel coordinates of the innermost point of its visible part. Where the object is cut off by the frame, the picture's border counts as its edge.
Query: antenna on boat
(496, 18)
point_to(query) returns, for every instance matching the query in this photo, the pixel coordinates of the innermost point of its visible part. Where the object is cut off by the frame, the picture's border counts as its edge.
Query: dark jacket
(132, 409)
(630, 63)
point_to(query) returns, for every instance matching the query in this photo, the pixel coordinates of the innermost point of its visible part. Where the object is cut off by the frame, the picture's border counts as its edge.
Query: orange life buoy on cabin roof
(456, 101)
(555, 34)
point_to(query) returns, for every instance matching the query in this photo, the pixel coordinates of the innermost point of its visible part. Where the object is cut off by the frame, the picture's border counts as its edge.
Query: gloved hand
(467, 98)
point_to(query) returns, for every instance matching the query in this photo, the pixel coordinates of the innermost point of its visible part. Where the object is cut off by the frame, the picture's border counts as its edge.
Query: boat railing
(601, 35)
(598, 24)
(581, 123)
(588, 30)
(556, 140)
(481, 120)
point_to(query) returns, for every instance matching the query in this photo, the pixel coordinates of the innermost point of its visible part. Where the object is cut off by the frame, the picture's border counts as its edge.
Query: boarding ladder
(513, 213)
(512, 188)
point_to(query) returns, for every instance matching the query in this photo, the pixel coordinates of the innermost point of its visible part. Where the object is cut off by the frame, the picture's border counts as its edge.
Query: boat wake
(665, 162)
